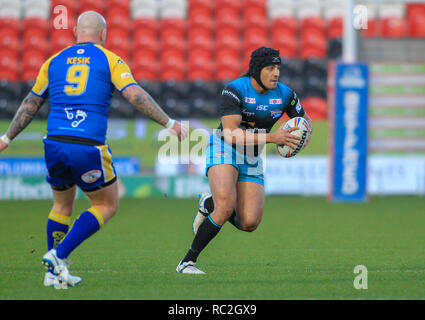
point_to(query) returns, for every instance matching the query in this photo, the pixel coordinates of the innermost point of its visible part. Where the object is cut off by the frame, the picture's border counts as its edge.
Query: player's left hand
(180, 130)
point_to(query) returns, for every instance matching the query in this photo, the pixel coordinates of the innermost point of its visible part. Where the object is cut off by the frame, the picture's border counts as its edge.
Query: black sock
(232, 220)
(209, 205)
(206, 232)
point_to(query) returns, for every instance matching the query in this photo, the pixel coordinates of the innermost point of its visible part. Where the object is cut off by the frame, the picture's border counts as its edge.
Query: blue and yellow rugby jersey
(79, 82)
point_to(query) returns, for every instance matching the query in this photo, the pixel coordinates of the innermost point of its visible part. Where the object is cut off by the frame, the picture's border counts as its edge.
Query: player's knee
(225, 207)
(249, 224)
(249, 227)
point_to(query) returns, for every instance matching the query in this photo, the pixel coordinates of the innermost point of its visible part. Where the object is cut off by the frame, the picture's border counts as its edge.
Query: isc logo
(262, 107)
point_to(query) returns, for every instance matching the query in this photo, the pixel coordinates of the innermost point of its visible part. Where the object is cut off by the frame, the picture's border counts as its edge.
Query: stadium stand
(184, 51)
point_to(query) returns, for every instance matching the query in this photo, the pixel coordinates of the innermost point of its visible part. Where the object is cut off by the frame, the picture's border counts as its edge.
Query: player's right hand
(3, 145)
(180, 130)
(284, 136)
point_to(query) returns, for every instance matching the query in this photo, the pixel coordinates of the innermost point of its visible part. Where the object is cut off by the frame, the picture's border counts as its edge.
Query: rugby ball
(303, 132)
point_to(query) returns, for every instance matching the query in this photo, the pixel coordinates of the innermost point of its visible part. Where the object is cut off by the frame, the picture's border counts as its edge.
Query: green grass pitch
(305, 248)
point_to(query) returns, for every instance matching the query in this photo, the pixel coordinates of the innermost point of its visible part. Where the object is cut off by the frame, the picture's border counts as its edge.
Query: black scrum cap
(260, 58)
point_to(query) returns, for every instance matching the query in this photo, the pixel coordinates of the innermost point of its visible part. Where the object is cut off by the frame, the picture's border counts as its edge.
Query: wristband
(170, 123)
(5, 139)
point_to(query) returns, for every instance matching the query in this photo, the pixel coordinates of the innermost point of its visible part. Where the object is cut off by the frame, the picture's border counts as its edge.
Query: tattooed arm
(144, 103)
(23, 116)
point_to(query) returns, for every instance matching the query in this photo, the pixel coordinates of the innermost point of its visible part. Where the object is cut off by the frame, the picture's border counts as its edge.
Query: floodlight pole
(349, 44)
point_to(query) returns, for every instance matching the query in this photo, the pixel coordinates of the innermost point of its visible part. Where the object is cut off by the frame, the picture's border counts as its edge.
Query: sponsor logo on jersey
(78, 60)
(80, 51)
(230, 93)
(91, 176)
(275, 101)
(125, 75)
(298, 107)
(275, 114)
(250, 100)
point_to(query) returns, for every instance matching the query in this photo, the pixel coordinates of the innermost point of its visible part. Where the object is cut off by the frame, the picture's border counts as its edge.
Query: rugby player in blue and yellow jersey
(250, 106)
(79, 82)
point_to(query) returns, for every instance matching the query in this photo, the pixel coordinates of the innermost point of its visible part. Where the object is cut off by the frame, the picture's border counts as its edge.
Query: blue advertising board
(24, 166)
(349, 133)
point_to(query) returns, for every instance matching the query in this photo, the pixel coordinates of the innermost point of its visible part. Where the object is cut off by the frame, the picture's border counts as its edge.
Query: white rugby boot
(58, 274)
(189, 268)
(202, 213)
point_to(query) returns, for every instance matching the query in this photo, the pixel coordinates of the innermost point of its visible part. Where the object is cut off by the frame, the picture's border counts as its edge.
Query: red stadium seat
(144, 54)
(393, 27)
(256, 32)
(36, 40)
(313, 45)
(118, 5)
(199, 41)
(227, 18)
(145, 41)
(201, 21)
(228, 41)
(118, 19)
(33, 58)
(197, 74)
(313, 23)
(145, 68)
(286, 43)
(120, 45)
(254, 3)
(316, 107)
(173, 43)
(172, 67)
(143, 74)
(9, 75)
(118, 37)
(288, 24)
(312, 53)
(222, 31)
(373, 29)
(41, 25)
(335, 28)
(9, 55)
(254, 9)
(255, 21)
(200, 67)
(71, 6)
(60, 39)
(175, 24)
(234, 5)
(226, 74)
(94, 5)
(202, 5)
(146, 24)
(227, 60)
(253, 41)
(417, 26)
(13, 26)
(202, 53)
(9, 40)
